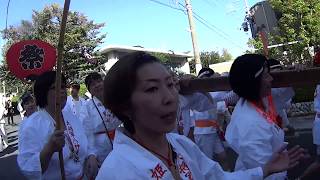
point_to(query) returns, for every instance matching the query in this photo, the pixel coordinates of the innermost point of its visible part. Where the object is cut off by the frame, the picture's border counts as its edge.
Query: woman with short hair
(40, 141)
(254, 131)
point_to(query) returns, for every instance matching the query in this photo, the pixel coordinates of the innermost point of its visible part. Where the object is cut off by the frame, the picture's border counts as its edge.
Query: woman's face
(175, 81)
(51, 95)
(96, 88)
(266, 83)
(30, 107)
(154, 101)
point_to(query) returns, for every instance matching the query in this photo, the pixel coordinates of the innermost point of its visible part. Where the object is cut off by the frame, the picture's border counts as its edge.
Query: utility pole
(193, 37)
(247, 7)
(4, 88)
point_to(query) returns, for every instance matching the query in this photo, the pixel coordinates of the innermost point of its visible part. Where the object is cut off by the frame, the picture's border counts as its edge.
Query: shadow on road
(10, 172)
(12, 132)
(10, 149)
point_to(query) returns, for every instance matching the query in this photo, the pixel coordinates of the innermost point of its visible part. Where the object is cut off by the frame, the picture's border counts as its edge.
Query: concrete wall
(113, 57)
(221, 67)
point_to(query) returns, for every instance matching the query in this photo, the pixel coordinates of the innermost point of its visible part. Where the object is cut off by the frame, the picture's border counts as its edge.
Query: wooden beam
(287, 78)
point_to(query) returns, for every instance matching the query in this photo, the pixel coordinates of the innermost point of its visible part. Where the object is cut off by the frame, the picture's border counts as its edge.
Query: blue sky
(151, 25)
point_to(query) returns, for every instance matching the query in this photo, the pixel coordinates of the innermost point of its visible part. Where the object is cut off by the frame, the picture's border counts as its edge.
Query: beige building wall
(221, 67)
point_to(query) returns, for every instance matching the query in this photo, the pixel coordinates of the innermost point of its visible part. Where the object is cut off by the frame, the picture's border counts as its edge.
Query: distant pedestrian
(10, 112)
(28, 104)
(75, 102)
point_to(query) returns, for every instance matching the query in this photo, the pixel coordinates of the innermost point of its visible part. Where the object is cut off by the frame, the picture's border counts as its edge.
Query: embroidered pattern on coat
(183, 168)
(158, 172)
(73, 143)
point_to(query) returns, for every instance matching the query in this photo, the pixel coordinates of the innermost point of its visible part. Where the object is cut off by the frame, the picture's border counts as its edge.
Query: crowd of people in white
(138, 124)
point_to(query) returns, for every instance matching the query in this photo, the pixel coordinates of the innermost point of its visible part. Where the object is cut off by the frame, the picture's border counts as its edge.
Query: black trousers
(10, 116)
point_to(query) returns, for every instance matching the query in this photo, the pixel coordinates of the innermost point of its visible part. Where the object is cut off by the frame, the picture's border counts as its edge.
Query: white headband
(275, 66)
(203, 73)
(259, 72)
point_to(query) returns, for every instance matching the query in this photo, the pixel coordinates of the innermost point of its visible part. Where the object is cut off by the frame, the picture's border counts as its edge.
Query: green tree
(298, 22)
(225, 56)
(209, 57)
(81, 38)
(172, 62)
(213, 57)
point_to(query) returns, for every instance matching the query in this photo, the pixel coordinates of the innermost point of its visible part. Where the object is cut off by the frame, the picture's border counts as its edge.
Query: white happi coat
(253, 138)
(316, 123)
(77, 107)
(281, 97)
(130, 161)
(210, 115)
(195, 101)
(99, 142)
(35, 133)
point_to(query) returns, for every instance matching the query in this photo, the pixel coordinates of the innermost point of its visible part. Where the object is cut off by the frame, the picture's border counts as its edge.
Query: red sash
(206, 123)
(271, 116)
(110, 134)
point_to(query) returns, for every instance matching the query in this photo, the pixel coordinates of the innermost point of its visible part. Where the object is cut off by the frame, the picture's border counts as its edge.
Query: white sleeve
(231, 98)
(116, 168)
(89, 129)
(107, 172)
(212, 170)
(217, 96)
(317, 99)
(256, 149)
(29, 147)
(282, 95)
(199, 102)
(316, 132)
(19, 107)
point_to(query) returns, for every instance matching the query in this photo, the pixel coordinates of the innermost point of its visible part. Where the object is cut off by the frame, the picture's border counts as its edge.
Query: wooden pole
(288, 78)
(193, 37)
(59, 121)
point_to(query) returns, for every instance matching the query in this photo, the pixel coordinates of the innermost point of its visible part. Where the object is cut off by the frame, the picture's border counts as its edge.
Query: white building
(221, 67)
(114, 52)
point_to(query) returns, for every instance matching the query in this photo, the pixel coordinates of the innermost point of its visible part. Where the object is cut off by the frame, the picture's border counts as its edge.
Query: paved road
(9, 169)
(8, 158)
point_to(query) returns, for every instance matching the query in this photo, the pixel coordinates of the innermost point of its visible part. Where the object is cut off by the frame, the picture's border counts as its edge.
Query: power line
(218, 32)
(202, 21)
(213, 28)
(166, 5)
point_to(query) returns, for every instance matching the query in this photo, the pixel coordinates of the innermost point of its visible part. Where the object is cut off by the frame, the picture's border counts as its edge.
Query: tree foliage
(171, 61)
(82, 37)
(298, 22)
(213, 57)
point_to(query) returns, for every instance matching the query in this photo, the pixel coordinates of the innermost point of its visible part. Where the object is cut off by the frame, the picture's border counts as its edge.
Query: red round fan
(31, 57)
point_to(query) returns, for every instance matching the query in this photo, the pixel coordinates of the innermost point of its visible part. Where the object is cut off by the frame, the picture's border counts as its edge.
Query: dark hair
(244, 77)
(75, 86)
(26, 97)
(120, 82)
(92, 77)
(208, 72)
(42, 86)
(274, 64)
